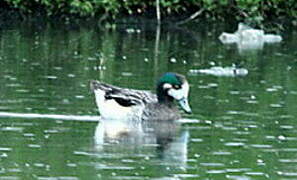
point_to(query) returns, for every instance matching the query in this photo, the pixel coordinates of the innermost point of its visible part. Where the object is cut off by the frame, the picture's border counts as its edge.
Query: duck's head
(173, 86)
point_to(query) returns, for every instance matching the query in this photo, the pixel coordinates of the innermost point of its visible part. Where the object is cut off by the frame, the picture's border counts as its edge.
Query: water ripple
(233, 177)
(129, 177)
(186, 176)
(290, 174)
(50, 116)
(9, 178)
(288, 160)
(234, 144)
(58, 178)
(261, 146)
(212, 164)
(14, 129)
(218, 171)
(5, 149)
(220, 153)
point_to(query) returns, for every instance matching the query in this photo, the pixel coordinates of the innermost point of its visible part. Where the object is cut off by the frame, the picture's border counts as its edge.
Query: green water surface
(241, 128)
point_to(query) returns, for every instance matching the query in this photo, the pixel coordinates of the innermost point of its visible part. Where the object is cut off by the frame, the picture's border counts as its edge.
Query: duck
(115, 102)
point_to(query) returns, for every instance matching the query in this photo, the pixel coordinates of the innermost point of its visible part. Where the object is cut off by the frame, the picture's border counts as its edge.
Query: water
(242, 127)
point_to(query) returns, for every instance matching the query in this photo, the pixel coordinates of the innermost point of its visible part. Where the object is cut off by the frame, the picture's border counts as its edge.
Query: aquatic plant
(251, 11)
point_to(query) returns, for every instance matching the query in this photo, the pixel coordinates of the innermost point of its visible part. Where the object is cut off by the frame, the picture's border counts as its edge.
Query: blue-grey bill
(185, 105)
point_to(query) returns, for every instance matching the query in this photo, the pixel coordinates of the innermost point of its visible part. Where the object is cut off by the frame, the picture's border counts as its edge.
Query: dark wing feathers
(122, 99)
(124, 96)
(125, 102)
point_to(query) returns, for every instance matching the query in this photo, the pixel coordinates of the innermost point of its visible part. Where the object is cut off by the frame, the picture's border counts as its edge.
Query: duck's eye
(176, 86)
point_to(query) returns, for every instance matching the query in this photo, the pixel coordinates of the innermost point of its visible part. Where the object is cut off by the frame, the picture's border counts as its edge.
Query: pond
(242, 126)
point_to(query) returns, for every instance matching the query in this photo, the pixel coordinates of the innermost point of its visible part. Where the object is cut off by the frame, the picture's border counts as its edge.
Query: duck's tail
(100, 90)
(97, 85)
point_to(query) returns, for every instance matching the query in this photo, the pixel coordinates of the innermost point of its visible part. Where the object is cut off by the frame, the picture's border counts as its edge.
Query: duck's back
(120, 103)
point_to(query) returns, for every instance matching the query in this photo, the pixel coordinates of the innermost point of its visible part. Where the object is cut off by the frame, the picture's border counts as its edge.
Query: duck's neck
(163, 98)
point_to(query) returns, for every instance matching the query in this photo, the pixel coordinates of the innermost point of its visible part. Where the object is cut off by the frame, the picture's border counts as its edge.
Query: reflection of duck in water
(121, 103)
(165, 139)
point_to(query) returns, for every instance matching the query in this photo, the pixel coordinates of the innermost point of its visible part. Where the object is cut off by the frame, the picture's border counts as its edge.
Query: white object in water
(228, 38)
(248, 38)
(222, 71)
(271, 38)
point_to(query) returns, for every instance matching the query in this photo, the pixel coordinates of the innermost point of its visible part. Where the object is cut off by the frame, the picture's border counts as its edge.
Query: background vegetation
(240, 10)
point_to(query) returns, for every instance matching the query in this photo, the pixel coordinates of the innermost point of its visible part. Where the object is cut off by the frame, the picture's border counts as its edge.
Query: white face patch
(181, 93)
(167, 86)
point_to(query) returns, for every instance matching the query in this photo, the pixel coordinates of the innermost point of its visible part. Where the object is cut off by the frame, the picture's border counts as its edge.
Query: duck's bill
(185, 105)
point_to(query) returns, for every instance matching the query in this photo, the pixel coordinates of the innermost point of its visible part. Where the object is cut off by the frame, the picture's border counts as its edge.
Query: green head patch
(171, 78)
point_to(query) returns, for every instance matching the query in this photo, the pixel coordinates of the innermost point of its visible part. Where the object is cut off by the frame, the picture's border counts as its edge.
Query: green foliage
(255, 11)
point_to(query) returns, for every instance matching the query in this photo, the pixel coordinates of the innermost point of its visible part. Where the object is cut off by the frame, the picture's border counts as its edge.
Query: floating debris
(132, 30)
(71, 75)
(128, 74)
(248, 38)
(51, 77)
(173, 60)
(221, 71)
